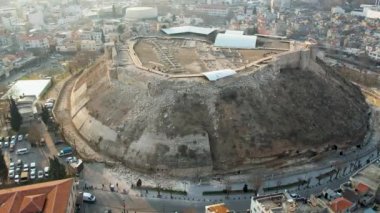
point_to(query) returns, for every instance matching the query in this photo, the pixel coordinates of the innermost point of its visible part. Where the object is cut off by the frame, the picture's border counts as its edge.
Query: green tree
(3, 168)
(113, 11)
(15, 117)
(245, 188)
(103, 38)
(57, 170)
(120, 29)
(45, 115)
(254, 11)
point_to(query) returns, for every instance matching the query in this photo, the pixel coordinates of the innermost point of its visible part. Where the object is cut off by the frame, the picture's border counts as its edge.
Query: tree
(57, 170)
(139, 183)
(120, 29)
(15, 116)
(34, 134)
(103, 38)
(254, 11)
(45, 115)
(257, 182)
(113, 11)
(245, 188)
(3, 168)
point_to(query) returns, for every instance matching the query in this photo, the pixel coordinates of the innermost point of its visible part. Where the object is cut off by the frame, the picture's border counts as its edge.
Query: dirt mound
(245, 119)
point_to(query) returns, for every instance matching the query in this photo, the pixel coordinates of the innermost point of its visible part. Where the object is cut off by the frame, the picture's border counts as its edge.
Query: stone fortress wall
(143, 152)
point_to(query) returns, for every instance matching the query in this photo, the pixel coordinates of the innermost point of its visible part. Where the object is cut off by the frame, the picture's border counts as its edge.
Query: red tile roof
(340, 204)
(41, 197)
(362, 188)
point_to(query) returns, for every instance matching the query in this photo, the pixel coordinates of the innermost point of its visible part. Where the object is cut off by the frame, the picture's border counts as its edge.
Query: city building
(28, 88)
(136, 13)
(50, 197)
(35, 41)
(212, 9)
(283, 202)
(90, 45)
(369, 176)
(217, 208)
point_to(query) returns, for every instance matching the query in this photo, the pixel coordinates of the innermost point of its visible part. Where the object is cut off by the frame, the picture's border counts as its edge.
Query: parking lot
(38, 154)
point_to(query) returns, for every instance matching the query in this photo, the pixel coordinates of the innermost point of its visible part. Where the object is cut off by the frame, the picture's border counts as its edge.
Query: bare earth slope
(241, 120)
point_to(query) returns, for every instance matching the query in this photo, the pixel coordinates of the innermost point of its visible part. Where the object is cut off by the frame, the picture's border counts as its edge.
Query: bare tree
(34, 134)
(227, 184)
(338, 165)
(257, 182)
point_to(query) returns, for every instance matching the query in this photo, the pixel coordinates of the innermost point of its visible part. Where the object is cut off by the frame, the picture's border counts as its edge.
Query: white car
(20, 137)
(32, 165)
(40, 174)
(6, 144)
(17, 178)
(46, 171)
(88, 197)
(13, 137)
(13, 142)
(32, 174)
(11, 166)
(25, 168)
(50, 100)
(11, 174)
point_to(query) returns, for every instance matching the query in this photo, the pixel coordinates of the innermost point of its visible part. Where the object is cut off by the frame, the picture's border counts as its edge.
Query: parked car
(12, 148)
(12, 142)
(11, 174)
(13, 137)
(19, 162)
(6, 144)
(40, 174)
(1, 144)
(46, 171)
(50, 100)
(294, 195)
(20, 137)
(71, 159)
(88, 197)
(11, 165)
(58, 142)
(32, 165)
(32, 174)
(22, 151)
(25, 168)
(17, 178)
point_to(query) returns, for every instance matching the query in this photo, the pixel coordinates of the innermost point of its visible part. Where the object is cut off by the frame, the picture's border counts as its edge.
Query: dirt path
(71, 134)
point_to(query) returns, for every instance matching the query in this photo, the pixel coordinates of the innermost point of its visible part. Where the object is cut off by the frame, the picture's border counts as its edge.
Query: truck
(65, 151)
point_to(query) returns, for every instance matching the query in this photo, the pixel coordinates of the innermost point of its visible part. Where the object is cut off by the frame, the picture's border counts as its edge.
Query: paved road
(63, 117)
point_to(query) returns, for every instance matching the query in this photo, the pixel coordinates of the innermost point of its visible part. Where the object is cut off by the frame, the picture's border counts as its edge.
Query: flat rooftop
(369, 176)
(28, 88)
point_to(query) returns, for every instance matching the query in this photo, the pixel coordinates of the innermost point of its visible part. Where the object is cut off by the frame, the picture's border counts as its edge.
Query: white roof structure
(28, 88)
(218, 74)
(235, 41)
(188, 29)
(234, 32)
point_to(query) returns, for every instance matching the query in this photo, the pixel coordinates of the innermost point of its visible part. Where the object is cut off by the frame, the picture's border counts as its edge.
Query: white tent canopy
(218, 74)
(188, 29)
(235, 41)
(234, 32)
